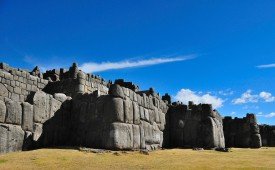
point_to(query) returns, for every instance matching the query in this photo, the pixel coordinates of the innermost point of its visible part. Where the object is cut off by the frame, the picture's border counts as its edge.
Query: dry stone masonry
(242, 132)
(194, 126)
(72, 108)
(267, 135)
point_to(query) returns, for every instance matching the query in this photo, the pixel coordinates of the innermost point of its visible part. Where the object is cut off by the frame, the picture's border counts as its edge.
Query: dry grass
(163, 159)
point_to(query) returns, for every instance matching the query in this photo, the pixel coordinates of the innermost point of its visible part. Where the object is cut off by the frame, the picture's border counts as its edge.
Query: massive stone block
(128, 111)
(162, 121)
(136, 137)
(142, 137)
(121, 136)
(54, 106)
(60, 97)
(256, 141)
(136, 113)
(27, 121)
(11, 138)
(3, 90)
(37, 131)
(41, 107)
(114, 110)
(3, 110)
(213, 133)
(14, 112)
(116, 91)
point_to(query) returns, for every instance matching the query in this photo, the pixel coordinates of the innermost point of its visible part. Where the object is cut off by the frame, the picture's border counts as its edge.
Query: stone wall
(72, 108)
(17, 84)
(22, 123)
(268, 135)
(122, 120)
(74, 81)
(194, 126)
(242, 132)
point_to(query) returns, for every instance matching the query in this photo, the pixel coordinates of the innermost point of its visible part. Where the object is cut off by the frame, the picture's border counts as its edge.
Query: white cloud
(227, 92)
(186, 95)
(270, 115)
(266, 66)
(250, 107)
(97, 67)
(267, 97)
(232, 113)
(246, 97)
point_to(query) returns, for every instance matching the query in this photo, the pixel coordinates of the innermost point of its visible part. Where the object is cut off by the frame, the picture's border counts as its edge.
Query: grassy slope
(163, 159)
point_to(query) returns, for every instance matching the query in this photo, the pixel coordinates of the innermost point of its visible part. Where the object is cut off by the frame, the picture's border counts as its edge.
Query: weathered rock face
(267, 135)
(194, 126)
(242, 132)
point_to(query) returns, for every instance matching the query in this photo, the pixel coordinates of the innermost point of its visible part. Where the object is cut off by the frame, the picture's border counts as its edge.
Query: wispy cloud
(248, 97)
(270, 115)
(186, 95)
(266, 66)
(227, 92)
(98, 67)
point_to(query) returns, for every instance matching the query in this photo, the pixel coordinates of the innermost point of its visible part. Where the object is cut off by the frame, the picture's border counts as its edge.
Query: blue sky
(203, 50)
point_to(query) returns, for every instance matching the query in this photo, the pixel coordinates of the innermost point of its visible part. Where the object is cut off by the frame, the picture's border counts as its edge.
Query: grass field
(263, 158)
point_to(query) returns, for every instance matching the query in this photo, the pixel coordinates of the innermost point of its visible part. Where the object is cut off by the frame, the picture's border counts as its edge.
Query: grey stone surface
(136, 137)
(37, 131)
(136, 113)
(40, 107)
(27, 118)
(54, 105)
(193, 126)
(3, 90)
(14, 112)
(11, 138)
(115, 110)
(242, 132)
(116, 91)
(60, 97)
(128, 111)
(3, 111)
(142, 137)
(121, 136)
(267, 135)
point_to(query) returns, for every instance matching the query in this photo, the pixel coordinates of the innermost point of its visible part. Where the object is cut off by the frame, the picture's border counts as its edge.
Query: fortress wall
(73, 82)
(194, 126)
(35, 113)
(123, 120)
(22, 123)
(242, 132)
(267, 135)
(17, 84)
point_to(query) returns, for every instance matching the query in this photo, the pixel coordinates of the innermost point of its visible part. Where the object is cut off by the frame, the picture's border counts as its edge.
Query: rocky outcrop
(243, 132)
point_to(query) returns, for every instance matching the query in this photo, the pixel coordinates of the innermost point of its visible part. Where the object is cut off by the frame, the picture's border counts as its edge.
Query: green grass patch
(3, 161)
